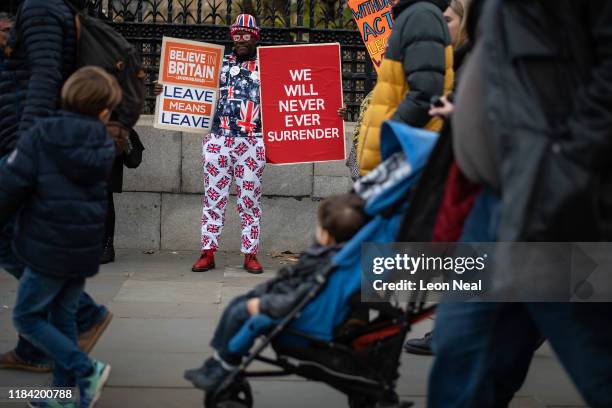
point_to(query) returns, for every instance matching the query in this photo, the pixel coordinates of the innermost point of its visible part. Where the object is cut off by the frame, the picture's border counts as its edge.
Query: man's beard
(248, 56)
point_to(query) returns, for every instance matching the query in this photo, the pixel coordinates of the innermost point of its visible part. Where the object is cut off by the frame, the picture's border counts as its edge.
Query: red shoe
(206, 261)
(251, 264)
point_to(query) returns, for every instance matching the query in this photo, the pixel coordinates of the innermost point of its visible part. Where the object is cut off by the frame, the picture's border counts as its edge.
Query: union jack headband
(245, 22)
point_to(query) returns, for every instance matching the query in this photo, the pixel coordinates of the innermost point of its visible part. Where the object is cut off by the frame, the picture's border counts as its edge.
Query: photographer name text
(408, 285)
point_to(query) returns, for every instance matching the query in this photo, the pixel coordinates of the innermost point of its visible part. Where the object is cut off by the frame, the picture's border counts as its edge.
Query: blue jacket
(40, 55)
(56, 179)
(280, 295)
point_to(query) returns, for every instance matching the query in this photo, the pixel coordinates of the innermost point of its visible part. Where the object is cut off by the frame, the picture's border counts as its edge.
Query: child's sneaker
(90, 388)
(209, 376)
(52, 404)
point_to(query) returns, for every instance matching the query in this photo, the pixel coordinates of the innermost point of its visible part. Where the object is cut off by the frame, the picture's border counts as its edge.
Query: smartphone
(436, 101)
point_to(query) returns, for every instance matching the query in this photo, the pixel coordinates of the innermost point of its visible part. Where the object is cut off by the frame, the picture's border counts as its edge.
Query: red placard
(301, 92)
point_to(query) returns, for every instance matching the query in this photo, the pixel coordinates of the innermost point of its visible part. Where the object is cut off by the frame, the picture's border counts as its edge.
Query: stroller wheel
(237, 395)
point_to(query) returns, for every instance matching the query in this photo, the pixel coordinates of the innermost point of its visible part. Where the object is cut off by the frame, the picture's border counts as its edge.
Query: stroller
(331, 336)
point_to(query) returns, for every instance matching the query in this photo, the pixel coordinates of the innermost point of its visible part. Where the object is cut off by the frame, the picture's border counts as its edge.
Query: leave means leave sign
(189, 74)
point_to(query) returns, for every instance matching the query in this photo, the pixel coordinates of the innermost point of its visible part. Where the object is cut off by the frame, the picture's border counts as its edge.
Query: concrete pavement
(165, 315)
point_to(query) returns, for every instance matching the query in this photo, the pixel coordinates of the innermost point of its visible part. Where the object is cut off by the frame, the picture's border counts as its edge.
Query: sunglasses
(241, 37)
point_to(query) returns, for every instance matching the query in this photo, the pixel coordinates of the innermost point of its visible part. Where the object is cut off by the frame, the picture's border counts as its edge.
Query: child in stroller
(339, 218)
(330, 335)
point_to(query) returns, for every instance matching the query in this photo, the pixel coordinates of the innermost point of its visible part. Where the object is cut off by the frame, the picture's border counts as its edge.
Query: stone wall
(160, 207)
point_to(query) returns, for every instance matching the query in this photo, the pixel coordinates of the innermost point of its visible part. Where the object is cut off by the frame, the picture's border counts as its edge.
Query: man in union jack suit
(235, 149)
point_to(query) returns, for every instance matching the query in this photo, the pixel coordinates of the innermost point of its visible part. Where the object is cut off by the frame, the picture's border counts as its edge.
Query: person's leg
(89, 313)
(74, 367)
(27, 356)
(217, 367)
(108, 255)
(110, 216)
(482, 352)
(217, 181)
(251, 161)
(233, 318)
(37, 296)
(92, 321)
(62, 316)
(24, 351)
(581, 336)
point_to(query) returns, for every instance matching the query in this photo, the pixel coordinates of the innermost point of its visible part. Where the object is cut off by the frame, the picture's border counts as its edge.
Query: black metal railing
(145, 22)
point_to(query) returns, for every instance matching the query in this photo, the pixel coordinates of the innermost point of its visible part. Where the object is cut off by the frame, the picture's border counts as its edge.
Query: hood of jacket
(316, 252)
(404, 4)
(80, 146)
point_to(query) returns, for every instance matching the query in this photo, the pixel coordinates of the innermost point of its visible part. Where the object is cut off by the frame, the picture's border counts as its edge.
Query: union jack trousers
(227, 158)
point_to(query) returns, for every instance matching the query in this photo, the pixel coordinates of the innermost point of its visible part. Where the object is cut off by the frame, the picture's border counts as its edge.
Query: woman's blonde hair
(460, 8)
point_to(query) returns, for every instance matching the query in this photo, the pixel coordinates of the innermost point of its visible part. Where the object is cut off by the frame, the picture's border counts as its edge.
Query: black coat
(42, 48)
(57, 176)
(419, 220)
(13, 82)
(281, 294)
(421, 51)
(417, 66)
(131, 160)
(548, 93)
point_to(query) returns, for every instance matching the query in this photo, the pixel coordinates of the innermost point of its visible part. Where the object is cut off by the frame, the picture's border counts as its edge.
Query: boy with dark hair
(57, 177)
(340, 217)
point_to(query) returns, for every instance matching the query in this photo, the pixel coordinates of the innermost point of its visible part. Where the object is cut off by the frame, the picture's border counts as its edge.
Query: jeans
(483, 350)
(45, 314)
(233, 318)
(88, 314)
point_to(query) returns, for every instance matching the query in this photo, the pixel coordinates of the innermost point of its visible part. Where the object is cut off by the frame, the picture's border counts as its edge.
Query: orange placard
(190, 63)
(375, 21)
(181, 106)
(189, 72)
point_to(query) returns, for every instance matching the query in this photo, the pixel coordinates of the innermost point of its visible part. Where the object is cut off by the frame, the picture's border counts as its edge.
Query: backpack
(98, 44)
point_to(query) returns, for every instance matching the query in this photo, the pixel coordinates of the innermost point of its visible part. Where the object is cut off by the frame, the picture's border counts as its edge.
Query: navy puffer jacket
(57, 176)
(42, 49)
(13, 82)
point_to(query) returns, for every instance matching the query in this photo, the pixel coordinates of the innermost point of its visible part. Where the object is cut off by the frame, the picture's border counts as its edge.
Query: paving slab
(157, 335)
(168, 291)
(105, 288)
(163, 266)
(149, 369)
(165, 316)
(115, 397)
(164, 310)
(325, 186)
